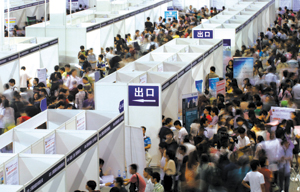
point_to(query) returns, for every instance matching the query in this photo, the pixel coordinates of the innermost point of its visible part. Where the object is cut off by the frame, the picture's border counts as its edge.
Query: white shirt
(109, 55)
(8, 93)
(255, 179)
(269, 34)
(270, 77)
(72, 79)
(189, 148)
(23, 79)
(181, 134)
(149, 186)
(162, 164)
(242, 142)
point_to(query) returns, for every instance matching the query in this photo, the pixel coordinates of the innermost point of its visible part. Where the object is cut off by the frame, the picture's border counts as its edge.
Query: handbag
(134, 187)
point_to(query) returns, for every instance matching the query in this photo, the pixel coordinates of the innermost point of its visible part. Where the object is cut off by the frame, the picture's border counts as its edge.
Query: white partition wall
(243, 22)
(33, 53)
(97, 29)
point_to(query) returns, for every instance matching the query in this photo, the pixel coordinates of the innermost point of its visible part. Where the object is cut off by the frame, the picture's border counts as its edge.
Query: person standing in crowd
(101, 66)
(169, 169)
(7, 116)
(80, 96)
(147, 175)
(24, 79)
(73, 77)
(155, 178)
(211, 74)
(182, 132)
(7, 93)
(12, 84)
(89, 103)
(163, 130)
(148, 24)
(147, 145)
(256, 179)
(91, 58)
(91, 186)
(136, 180)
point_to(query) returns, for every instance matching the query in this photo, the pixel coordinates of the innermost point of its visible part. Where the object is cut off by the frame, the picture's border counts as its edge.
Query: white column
(57, 13)
(2, 25)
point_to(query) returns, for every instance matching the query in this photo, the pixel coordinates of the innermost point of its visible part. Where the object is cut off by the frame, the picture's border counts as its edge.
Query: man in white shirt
(243, 140)
(147, 174)
(24, 77)
(270, 76)
(109, 54)
(269, 33)
(255, 178)
(160, 20)
(12, 84)
(181, 132)
(190, 10)
(7, 93)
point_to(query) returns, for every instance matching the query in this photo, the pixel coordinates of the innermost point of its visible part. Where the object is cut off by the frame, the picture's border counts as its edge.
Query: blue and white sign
(203, 34)
(171, 14)
(198, 84)
(143, 95)
(121, 106)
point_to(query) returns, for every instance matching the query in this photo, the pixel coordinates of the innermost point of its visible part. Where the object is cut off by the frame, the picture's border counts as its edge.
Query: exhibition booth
(32, 52)
(243, 27)
(25, 12)
(81, 137)
(96, 29)
(170, 73)
(33, 172)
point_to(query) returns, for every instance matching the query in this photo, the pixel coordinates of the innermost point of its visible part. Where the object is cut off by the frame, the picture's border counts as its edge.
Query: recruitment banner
(42, 75)
(213, 86)
(243, 68)
(50, 144)
(12, 23)
(143, 78)
(12, 172)
(198, 84)
(189, 109)
(280, 113)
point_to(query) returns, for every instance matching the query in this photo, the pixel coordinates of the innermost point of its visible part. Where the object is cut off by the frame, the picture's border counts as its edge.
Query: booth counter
(33, 53)
(97, 29)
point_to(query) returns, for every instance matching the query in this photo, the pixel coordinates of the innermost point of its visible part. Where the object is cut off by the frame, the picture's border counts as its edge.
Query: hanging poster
(243, 68)
(50, 144)
(189, 109)
(1, 177)
(171, 14)
(81, 121)
(42, 75)
(143, 78)
(12, 172)
(160, 68)
(213, 86)
(198, 84)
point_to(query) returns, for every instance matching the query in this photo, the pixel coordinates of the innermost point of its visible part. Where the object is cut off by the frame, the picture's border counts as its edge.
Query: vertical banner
(243, 68)
(280, 113)
(189, 109)
(221, 87)
(12, 172)
(42, 75)
(171, 14)
(143, 78)
(121, 106)
(198, 84)
(50, 144)
(213, 86)
(226, 54)
(80, 119)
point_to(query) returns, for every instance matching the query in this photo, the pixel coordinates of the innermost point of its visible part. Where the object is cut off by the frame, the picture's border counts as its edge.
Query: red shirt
(23, 119)
(267, 175)
(279, 20)
(142, 183)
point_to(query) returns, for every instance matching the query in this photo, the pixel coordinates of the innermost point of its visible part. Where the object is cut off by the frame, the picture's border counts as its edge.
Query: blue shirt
(147, 141)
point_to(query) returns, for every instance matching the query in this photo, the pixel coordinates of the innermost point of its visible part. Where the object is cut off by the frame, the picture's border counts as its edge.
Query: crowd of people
(233, 146)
